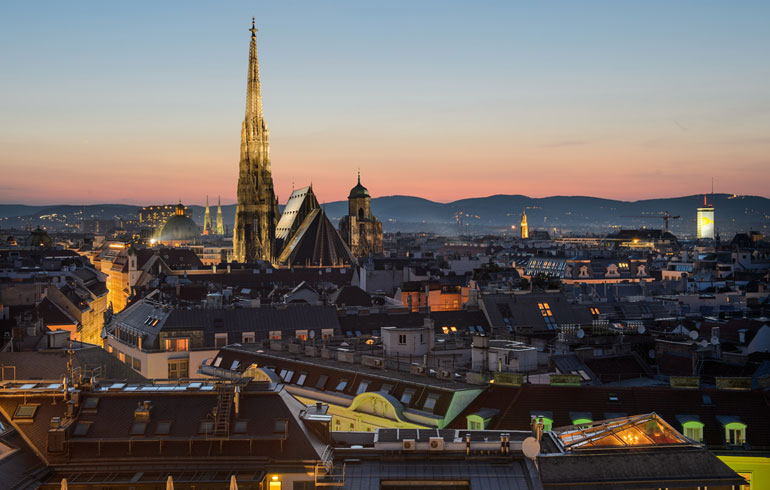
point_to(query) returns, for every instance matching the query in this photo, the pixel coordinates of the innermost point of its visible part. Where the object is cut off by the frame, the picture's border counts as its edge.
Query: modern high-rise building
(256, 213)
(207, 219)
(705, 220)
(524, 226)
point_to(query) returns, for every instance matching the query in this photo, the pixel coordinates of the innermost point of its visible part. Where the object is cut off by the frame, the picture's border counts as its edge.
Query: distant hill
(493, 214)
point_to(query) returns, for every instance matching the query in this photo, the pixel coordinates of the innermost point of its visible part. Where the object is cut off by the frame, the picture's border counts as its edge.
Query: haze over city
(442, 100)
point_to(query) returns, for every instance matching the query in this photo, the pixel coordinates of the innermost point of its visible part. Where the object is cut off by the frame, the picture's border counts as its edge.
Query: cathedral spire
(253, 89)
(220, 221)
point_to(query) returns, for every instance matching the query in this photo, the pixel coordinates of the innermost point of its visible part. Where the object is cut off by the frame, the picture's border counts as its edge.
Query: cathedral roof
(39, 238)
(316, 243)
(300, 203)
(358, 190)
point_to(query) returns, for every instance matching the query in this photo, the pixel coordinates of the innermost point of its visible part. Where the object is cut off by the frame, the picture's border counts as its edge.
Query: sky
(142, 102)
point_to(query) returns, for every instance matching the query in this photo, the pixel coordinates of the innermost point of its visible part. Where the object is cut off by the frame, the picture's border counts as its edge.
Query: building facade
(361, 231)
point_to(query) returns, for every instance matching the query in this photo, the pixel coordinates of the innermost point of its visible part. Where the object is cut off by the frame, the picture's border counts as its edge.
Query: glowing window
(177, 345)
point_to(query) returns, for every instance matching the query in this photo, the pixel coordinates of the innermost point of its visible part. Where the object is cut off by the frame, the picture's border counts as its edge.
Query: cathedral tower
(220, 221)
(207, 219)
(361, 231)
(256, 213)
(524, 227)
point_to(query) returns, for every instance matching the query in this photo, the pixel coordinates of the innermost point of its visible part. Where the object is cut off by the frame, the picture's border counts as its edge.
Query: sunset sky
(142, 102)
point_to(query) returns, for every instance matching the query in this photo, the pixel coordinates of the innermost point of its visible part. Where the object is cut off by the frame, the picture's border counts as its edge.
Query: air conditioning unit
(436, 444)
(408, 445)
(378, 362)
(443, 374)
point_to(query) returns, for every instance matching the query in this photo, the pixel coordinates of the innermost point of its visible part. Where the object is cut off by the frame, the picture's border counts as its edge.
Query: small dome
(358, 190)
(39, 238)
(179, 227)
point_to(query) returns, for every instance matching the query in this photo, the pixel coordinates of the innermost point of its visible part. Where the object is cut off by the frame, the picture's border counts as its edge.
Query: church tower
(256, 212)
(207, 219)
(524, 227)
(361, 231)
(220, 221)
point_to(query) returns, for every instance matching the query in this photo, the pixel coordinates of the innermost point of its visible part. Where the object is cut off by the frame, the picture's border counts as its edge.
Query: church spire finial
(359, 176)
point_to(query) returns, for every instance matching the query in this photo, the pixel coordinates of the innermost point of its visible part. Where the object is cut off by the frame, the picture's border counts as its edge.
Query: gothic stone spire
(256, 213)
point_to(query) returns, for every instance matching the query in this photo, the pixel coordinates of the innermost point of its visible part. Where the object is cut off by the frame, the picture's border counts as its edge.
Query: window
(735, 434)
(25, 412)
(362, 386)
(386, 388)
(595, 312)
(422, 338)
(163, 428)
(327, 333)
(275, 335)
(240, 426)
(545, 311)
(81, 429)
(121, 357)
(178, 368)
(614, 397)
(453, 329)
(321, 384)
(301, 379)
(694, 432)
(430, 402)
(301, 335)
(248, 337)
(235, 365)
(747, 477)
(402, 339)
(341, 385)
(287, 375)
(91, 403)
(217, 362)
(138, 428)
(129, 360)
(280, 427)
(475, 424)
(177, 345)
(137, 364)
(445, 330)
(220, 340)
(406, 397)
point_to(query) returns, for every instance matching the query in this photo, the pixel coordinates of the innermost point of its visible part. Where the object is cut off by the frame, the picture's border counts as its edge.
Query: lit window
(453, 329)
(545, 311)
(177, 345)
(694, 431)
(445, 330)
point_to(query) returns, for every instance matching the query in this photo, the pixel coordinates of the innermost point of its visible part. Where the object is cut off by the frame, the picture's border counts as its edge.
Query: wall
(757, 467)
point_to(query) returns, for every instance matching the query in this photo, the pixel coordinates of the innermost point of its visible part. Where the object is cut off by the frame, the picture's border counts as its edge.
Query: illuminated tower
(524, 227)
(207, 219)
(256, 213)
(220, 221)
(705, 219)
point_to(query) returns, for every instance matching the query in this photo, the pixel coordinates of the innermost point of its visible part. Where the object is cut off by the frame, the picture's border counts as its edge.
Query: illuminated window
(445, 329)
(275, 335)
(545, 311)
(747, 477)
(453, 329)
(301, 335)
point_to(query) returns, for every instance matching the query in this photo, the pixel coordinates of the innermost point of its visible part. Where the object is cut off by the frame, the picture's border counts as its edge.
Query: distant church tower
(361, 231)
(207, 219)
(256, 213)
(220, 221)
(524, 227)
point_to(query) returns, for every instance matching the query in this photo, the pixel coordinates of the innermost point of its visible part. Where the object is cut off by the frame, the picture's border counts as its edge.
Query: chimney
(142, 412)
(742, 336)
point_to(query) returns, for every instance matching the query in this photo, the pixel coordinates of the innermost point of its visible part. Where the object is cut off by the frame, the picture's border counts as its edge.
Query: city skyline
(627, 103)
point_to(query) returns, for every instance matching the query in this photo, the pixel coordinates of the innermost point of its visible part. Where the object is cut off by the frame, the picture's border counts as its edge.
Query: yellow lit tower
(207, 219)
(256, 213)
(705, 217)
(524, 227)
(220, 221)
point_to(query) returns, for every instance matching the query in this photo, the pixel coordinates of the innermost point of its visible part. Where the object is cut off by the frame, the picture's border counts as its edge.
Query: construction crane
(665, 217)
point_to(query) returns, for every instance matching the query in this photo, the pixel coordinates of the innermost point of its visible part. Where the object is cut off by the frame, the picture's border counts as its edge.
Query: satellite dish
(530, 447)
(641, 329)
(581, 333)
(312, 334)
(651, 354)
(714, 340)
(704, 343)
(694, 334)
